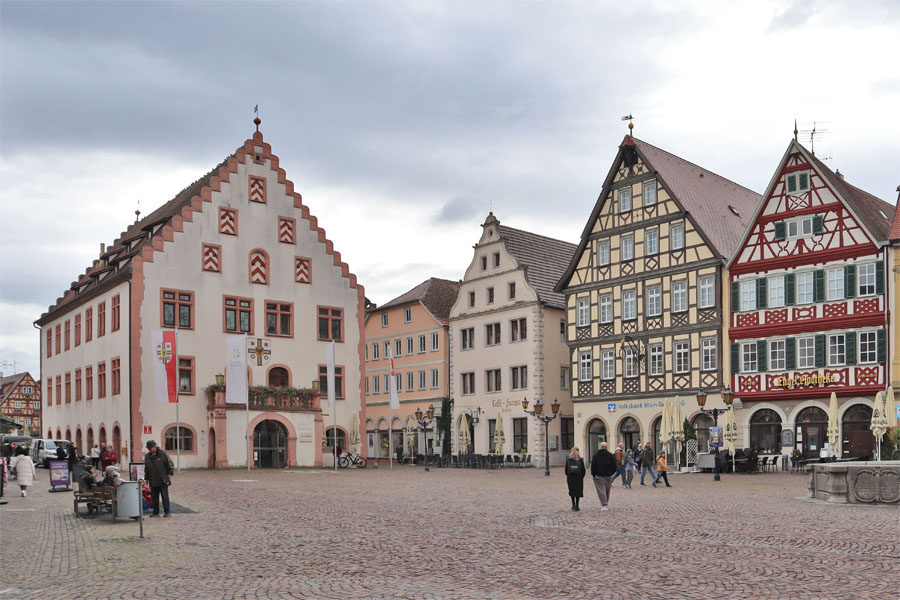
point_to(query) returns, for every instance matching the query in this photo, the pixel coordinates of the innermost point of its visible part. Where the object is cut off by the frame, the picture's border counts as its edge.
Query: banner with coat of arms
(165, 370)
(259, 350)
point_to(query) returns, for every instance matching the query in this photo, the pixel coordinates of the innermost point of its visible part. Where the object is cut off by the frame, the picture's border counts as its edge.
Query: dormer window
(797, 183)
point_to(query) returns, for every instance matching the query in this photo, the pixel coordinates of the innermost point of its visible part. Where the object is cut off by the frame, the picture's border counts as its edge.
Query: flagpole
(334, 417)
(247, 424)
(177, 404)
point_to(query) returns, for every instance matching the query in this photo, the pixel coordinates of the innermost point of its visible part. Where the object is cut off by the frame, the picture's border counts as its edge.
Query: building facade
(409, 338)
(235, 253)
(643, 295)
(20, 401)
(507, 344)
(809, 310)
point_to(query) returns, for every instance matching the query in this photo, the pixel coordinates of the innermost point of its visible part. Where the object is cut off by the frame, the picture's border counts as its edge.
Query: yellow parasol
(677, 429)
(354, 434)
(499, 438)
(890, 409)
(833, 423)
(730, 430)
(410, 433)
(464, 438)
(879, 421)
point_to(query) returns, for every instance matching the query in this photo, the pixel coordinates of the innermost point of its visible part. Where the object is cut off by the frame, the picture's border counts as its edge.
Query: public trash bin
(128, 499)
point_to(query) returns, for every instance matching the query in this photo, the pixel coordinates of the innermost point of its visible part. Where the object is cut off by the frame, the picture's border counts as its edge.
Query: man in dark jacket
(603, 466)
(158, 469)
(620, 463)
(648, 460)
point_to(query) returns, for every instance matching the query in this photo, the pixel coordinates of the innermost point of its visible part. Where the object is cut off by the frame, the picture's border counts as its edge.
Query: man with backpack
(620, 463)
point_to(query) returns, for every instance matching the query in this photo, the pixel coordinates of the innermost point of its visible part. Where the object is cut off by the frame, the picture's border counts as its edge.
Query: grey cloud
(460, 209)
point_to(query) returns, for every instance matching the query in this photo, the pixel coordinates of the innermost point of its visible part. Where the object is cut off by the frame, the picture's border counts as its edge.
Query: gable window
(496, 259)
(280, 318)
(492, 376)
(238, 314)
(518, 330)
(175, 302)
(709, 355)
(806, 352)
(748, 357)
(519, 377)
(836, 284)
(865, 277)
(707, 292)
(800, 227)
(629, 305)
(585, 366)
(490, 295)
(607, 365)
(654, 301)
(679, 296)
(657, 362)
(492, 334)
(468, 383)
(471, 299)
(649, 193)
(797, 182)
(651, 242)
(676, 236)
(748, 295)
(627, 247)
(384, 319)
(836, 350)
(625, 199)
(331, 324)
(407, 315)
(606, 308)
(511, 290)
(776, 291)
(804, 288)
(583, 312)
(776, 355)
(867, 347)
(435, 342)
(468, 338)
(603, 253)
(682, 360)
(484, 263)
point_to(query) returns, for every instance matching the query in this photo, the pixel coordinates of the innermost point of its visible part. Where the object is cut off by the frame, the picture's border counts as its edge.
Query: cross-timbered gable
(20, 401)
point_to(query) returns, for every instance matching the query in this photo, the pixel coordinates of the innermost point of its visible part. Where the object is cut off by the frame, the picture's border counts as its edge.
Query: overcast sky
(404, 123)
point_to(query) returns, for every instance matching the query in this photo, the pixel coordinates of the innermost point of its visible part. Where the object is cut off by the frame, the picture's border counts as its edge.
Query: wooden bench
(103, 498)
(84, 498)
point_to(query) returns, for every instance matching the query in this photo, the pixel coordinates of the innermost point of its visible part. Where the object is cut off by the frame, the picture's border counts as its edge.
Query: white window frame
(410, 346)
(422, 380)
(435, 378)
(748, 295)
(435, 341)
(676, 236)
(384, 320)
(709, 357)
(602, 253)
(775, 291)
(376, 384)
(837, 350)
(749, 358)
(625, 200)
(648, 191)
(629, 364)
(654, 301)
(607, 365)
(606, 308)
(626, 248)
(801, 227)
(398, 380)
(835, 284)
(410, 380)
(707, 291)
(585, 366)
(776, 354)
(651, 242)
(398, 347)
(867, 348)
(629, 305)
(682, 357)
(407, 315)
(868, 288)
(376, 351)
(679, 297)
(795, 180)
(657, 361)
(805, 287)
(583, 312)
(806, 352)
(422, 345)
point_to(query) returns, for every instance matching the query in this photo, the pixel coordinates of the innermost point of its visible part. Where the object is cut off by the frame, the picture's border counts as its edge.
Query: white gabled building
(235, 252)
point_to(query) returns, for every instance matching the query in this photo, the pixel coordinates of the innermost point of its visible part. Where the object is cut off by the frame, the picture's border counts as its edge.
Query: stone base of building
(855, 482)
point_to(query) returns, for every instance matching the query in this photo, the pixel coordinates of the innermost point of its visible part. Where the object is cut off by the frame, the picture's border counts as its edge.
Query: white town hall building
(236, 252)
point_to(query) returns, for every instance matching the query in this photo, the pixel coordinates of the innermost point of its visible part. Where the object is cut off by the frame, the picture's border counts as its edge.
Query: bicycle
(347, 459)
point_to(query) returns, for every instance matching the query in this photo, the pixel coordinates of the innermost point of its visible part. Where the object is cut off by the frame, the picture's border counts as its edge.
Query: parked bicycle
(352, 459)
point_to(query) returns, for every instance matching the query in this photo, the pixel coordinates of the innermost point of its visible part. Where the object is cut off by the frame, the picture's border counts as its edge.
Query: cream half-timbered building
(643, 294)
(20, 401)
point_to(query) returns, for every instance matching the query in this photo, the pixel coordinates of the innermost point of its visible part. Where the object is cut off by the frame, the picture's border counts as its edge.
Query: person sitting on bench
(86, 481)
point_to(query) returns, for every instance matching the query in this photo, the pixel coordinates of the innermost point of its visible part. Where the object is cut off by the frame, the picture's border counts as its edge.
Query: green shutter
(850, 281)
(882, 346)
(820, 350)
(790, 354)
(780, 230)
(761, 361)
(818, 224)
(789, 291)
(850, 348)
(735, 357)
(761, 292)
(879, 277)
(819, 286)
(735, 296)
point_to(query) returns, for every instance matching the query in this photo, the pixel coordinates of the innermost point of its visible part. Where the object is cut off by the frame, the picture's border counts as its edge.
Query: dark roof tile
(545, 260)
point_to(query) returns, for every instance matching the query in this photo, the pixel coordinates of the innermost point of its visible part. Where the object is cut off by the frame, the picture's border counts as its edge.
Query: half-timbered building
(20, 401)
(235, 253)
(643, 293)
(809, 310)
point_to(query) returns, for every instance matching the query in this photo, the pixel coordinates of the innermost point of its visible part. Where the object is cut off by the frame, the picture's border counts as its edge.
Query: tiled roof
(895, 226)
(437, 295)
(117, 257)
(8, 384)
(705, 196)
(545, 260)
(876, 214)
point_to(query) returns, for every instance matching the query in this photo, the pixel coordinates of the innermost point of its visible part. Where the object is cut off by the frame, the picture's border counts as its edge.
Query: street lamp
(728, 397)
(422, 420)
(545, 419)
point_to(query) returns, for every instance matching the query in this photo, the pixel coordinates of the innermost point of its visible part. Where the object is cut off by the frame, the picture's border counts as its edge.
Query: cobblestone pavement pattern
(454, 534)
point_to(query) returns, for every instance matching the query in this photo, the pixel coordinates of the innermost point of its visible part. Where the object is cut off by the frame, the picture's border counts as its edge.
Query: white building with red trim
(236, 252)
(809, 310)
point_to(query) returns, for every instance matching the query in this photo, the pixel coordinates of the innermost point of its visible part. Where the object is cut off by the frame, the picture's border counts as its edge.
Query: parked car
(44, 450)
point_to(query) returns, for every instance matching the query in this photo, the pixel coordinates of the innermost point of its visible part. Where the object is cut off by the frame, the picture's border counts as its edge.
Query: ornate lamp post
(423, 420)
(538, 413)
(728, 398)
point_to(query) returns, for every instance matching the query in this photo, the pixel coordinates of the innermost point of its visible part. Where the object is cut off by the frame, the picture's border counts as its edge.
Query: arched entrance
(78, 440)
(629, 432)
(857, 438)
(103, 436)
(211, 461)
(90, 440)
(117, 441)
(270, 445)
(765, 432)
(596, 435)
(811, 425)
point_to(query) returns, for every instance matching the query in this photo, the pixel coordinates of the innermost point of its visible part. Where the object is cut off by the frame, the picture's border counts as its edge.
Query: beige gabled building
(507, 343)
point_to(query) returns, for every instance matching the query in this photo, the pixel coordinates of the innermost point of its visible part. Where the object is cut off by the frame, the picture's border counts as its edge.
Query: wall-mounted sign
(787, 437)
(148, 429)
(804, 380)
(611, 407)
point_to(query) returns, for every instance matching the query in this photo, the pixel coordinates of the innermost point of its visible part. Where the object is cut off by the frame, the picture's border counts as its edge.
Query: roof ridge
(546, 237)
(843, 180)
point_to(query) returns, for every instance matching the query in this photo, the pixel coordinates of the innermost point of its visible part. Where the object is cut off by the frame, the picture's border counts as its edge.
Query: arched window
(765, 432)
(186, 439)
(49, 434)
(78, 441)
(329, 440)
(701, 424)
(103, 436)
(90, 440)
(629, 432)
(68, 434)
(596, 435)
(278, 377)
(117, 439)
(857, 438)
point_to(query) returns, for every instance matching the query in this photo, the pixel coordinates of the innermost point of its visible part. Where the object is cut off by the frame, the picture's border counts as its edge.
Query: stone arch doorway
(629, 432)
(857, 439)
(270, 445)
(117, 441)
(595, 435)
(812, 424)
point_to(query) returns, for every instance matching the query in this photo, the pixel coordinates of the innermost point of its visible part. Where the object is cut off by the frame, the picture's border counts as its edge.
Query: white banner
(329, 354)
(392, 385)
(236, 369)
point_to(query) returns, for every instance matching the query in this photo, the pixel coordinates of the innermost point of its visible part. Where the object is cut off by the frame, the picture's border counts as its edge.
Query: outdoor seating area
(101, 500)
(480, 461)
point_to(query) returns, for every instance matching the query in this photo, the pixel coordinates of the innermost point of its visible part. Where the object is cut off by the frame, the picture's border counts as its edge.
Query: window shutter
(735, 296)
(780, 230)
(761, 361)
(850, 281)
(818, 224)
(761, 292)
(820, 350)
(819, 285)
(879, 277)
(735, 357)
(790, 354)
(850, 348)
(882, 345)
(789, 289)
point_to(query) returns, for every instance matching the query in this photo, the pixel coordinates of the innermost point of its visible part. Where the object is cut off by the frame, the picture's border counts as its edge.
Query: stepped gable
(437, 295)
(545, 260)
(706, 197)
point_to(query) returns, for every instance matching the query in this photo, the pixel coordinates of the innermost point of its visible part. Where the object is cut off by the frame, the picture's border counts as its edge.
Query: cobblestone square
(454, 534)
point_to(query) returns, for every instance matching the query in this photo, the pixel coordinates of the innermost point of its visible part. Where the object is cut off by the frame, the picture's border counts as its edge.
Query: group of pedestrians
(104, 455)
(606, 467)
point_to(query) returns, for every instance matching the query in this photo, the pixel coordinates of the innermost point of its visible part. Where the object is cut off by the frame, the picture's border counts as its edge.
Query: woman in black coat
(575, 476)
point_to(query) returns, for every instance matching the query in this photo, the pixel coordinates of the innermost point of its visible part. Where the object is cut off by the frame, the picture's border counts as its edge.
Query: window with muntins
(651, 242)
(175, 302)
(331, 324)
(649, 193)
(630, 364)
(518, 330)
(583, 312)
(865, 278)
(776, 355)
(238, 314)
(280, 318)
(606, 308)
(707, 292)
(603, 253)
(624, 199)
(805, 288)
(868, 346)
(657, 361)
(748, 357)
(836, 350)
(676, 235)
(679, 296)
(836, 284)
(776, 291)
(607, 365)
(629, 305)
(627, 247)
(585, 367)
(709, 355)
(682, 358)
(748, 295)
(654, 301)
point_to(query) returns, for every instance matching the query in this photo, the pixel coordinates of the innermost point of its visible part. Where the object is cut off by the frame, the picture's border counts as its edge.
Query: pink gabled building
(413, 328)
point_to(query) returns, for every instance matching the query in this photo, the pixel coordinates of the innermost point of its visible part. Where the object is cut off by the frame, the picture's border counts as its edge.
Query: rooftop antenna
(5, 364)
(137, 212)
(630, 120)
(795, 130)
(815, 131)
(256, 120)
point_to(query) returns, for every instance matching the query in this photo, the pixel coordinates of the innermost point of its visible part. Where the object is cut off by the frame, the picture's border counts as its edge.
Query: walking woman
(575, 476)
(24, 469)
(630, 468)
(661, 469)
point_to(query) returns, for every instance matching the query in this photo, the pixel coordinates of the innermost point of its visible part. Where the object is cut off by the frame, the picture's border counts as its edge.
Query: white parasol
(879, 421)
(833, 424)
(464, 438)
(499, 438)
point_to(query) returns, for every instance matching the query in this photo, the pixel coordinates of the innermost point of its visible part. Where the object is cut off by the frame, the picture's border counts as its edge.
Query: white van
(44, 450)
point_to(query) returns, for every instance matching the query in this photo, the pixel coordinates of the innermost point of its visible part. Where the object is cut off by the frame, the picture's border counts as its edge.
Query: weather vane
(256, 120)
(629, 118)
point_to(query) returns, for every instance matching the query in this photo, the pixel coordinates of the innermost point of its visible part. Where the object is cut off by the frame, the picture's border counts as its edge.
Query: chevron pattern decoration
(228, 222)
(286, 228)
(259, 267)
(212, 258)
(302, 270)
(257, 189)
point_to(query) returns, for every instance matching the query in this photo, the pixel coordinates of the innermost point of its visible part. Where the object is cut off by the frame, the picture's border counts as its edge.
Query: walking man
(158, 469)
(620, 463)
(647, 461)
(603, 465)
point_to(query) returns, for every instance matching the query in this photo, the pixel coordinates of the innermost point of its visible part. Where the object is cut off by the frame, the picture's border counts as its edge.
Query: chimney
(102, 248)
(839, 174)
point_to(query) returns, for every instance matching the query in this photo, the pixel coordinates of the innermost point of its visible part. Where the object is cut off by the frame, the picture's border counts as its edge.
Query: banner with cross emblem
(260, 350)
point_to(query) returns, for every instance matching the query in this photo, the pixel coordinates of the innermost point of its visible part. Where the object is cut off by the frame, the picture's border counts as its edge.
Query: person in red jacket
(109, 457)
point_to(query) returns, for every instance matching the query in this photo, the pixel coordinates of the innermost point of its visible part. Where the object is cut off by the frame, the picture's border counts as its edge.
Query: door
(811, 426)
(370, 444)
(270, 445)
(857, 439)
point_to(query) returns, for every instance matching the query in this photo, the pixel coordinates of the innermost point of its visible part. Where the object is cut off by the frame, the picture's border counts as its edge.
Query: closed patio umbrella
(499, 438)
(890, 409)
(878, 425)
(730, 433)
(410, 434)
(354, 434)
(677, 430)
(833, 423)
(464, 438)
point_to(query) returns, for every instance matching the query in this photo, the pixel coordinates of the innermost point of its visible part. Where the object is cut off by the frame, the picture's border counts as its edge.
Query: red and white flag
(165, 370)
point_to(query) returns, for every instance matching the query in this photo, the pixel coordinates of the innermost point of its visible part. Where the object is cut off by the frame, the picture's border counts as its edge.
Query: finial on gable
(630, 120)
(795, 130)
(137, 212)
(256, 121)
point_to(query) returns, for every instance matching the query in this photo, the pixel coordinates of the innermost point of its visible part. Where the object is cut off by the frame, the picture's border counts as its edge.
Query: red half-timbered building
(809, 310)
